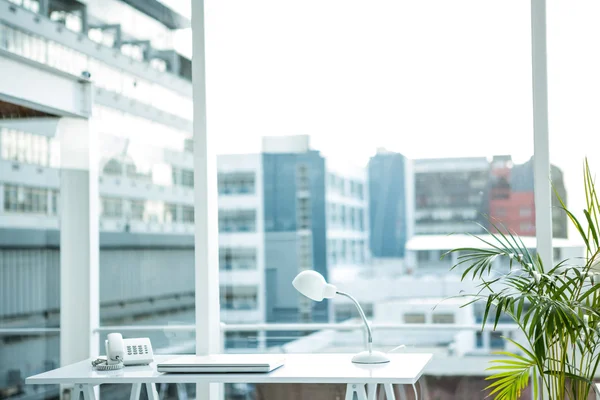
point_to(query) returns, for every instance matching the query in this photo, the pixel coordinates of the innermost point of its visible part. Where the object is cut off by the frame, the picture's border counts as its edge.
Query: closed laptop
(223, 363)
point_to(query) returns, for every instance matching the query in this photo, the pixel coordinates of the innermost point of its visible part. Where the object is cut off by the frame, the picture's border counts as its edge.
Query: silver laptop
(223, 363)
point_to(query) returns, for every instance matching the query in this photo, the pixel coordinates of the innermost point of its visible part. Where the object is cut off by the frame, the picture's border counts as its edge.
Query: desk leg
(389, 391)
(151, 390)
(86, 390)
(371, 391)
(136, 391)
(415, 390)
(181, 391)
(359, 389)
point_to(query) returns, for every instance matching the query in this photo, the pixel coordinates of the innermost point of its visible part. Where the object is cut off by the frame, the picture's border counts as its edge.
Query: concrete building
(450, 195)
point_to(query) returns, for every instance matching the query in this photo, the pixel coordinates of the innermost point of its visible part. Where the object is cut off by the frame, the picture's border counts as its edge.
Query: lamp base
(373, 357)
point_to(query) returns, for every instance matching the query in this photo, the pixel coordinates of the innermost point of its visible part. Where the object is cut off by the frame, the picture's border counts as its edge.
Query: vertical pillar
(541, 148)
(79, 244)
(208, 335)
(541, 141)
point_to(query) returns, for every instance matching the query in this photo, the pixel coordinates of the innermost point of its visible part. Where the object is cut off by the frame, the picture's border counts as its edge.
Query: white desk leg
(76, 392)
(415, 390)
(389, 391)
(359, 389)
(181, 391)
(136, 391)
(86, 390)
(371, 391)
(151, 390)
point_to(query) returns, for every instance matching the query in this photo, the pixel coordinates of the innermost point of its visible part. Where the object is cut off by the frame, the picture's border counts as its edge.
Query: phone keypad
(137, 350)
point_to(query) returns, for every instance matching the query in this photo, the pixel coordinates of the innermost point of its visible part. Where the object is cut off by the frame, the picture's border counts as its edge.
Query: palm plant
(556, 308)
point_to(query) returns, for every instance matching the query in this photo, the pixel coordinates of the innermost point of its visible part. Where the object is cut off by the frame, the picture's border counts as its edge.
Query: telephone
(121, 352)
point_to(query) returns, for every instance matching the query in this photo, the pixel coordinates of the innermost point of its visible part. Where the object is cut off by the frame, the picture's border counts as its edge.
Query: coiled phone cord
(101, 364)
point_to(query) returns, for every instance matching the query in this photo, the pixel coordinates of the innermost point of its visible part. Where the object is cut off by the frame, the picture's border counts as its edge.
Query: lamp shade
(312, 285)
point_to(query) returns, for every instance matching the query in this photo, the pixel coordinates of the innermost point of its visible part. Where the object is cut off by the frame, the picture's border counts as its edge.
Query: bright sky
(427, 78)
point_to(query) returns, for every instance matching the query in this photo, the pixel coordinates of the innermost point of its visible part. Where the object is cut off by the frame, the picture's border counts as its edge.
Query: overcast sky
(425, 78)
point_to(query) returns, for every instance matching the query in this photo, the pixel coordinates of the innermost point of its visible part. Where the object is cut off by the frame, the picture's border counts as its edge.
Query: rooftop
(447, 242)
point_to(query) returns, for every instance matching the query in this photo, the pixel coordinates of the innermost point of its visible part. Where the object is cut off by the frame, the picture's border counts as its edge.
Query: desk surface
(403, 368)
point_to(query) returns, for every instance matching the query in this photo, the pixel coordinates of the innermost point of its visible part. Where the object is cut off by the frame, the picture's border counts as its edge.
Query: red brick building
(511, 199)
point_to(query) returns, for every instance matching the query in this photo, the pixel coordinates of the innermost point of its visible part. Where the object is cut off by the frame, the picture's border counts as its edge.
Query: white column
(541, 143)
(541, 148)
(79, 252)
(208, 335)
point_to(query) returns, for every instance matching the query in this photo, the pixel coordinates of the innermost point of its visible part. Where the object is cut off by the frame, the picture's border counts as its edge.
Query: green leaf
(591, 226)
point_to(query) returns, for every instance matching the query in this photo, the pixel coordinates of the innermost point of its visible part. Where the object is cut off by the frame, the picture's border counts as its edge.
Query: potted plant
(556, 308)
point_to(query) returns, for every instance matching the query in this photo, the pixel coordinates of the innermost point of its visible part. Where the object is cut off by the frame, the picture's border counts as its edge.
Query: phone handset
(115, 354)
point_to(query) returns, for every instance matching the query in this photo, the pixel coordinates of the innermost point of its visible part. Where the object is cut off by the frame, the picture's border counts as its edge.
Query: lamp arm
(364, 318)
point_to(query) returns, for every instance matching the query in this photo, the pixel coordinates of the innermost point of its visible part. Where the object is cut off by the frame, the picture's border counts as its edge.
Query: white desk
(404, 369)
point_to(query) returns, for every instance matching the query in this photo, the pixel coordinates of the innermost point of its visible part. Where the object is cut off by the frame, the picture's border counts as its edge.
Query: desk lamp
(312, 285)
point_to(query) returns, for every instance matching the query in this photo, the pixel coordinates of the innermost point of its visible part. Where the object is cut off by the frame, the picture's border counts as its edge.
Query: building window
(343, 216)
(332, 211)
(236, 183)
(25, 199)
(331, 250)
(112, 207)
(347, 311)
(414, 318)
(302, 177)
(332, 181)
(24, 147)
(187, 178)
(239, 297)
(187, 214)
(341, 183)
(241, 340)
(526, 227)
(343, 251)
(170, 213)
(423, 255)
(55, 202)
(352, 222)
(237, 221)
(557, 254)
(303, 213)
(231, 259)
(443, 318)
(360, 191)
(113, 167)
(361, 219)
(137, 210)
(525, 212)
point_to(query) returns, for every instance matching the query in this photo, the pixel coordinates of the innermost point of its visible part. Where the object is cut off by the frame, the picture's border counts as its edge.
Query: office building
(450, 195)
(512, 202)
(391, 204)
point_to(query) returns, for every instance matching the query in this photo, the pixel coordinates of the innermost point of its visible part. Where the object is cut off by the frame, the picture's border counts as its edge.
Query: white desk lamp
(312, 285)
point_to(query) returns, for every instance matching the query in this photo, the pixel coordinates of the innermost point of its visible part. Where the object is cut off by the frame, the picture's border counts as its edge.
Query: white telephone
(121, 352)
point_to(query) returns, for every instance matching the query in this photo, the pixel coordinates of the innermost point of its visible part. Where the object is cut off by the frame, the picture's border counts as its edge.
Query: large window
(354, 148)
